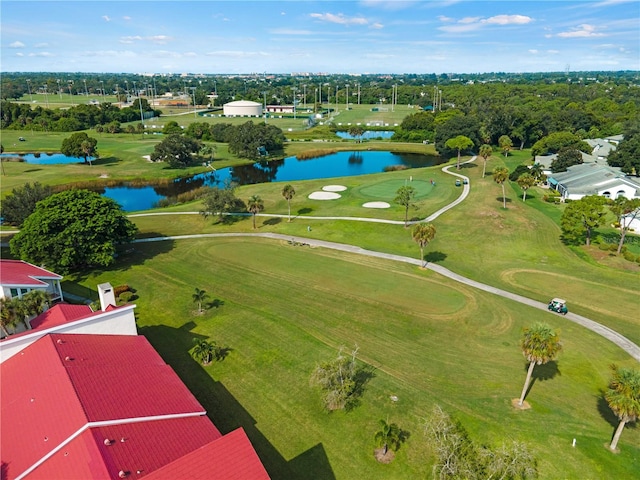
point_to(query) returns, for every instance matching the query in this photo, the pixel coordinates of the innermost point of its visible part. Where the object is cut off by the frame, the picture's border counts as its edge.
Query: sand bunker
(324, 196)
(334, 188)
(376, 205)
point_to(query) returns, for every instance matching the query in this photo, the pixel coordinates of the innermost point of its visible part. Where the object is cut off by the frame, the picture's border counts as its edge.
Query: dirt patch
(515, 404)
(384, 457)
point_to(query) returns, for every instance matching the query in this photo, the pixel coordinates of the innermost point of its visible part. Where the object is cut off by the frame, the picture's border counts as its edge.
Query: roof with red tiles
(92, 406)
(19, 273)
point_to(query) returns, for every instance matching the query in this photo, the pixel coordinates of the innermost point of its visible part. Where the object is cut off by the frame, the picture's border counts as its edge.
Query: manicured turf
(387, 190)
(282, 308)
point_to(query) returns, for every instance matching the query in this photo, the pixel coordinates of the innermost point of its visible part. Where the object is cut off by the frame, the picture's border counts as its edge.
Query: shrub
(120, 289)
(125, 297)
(629, 256)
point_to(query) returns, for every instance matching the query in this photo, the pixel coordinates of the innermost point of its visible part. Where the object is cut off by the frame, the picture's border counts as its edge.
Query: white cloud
(509, 20)
(130, 39)
(236, 54)
(41, 54)
(340, 19)
(160, 39)
(533, 51)
(388, 4)
(41, 45)
(19, 54)
(106, 18)
(466, 20)
(444, 19)
(377, 25)
(581, 31)
(17, 45)
(126, 18)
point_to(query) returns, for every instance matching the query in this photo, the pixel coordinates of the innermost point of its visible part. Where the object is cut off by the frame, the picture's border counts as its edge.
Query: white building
(242, 108)
(593, 179)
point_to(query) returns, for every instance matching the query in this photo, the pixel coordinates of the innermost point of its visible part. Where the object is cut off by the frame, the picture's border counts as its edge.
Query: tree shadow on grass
(507, 200)
(468, 165)
(435, 257)
(606, 413)
(546, 371)
(363, 375)
(304, 211)
(173, 344)
(215, 303)
(272, 221)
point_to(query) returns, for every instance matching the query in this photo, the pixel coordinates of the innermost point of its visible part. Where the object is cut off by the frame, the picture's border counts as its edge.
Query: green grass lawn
(281, 309)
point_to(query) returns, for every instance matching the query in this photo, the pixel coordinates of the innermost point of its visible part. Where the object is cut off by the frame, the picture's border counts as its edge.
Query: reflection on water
(340, 164)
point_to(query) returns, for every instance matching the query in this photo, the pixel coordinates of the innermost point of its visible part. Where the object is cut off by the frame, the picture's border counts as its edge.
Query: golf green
(388, 189)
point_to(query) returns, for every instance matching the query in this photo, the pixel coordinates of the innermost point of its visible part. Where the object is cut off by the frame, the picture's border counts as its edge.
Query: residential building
(18, 278)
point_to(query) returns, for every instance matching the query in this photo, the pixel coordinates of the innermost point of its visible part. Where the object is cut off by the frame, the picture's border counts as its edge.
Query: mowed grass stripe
(279, 325)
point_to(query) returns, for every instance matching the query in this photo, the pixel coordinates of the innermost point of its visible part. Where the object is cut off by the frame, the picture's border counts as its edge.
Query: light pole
(294, 102)
(347, 97)
(59, 90)
(102, 88)
(358, 93)
(86, 92)
(264, 113)
(193, 93)
(304, 96)
(336, 98)
(29, 88)
(69, 83)
(46, 97)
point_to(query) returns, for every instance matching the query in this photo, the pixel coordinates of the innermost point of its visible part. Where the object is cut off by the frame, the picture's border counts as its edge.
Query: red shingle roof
(17, 272)
(65, 394)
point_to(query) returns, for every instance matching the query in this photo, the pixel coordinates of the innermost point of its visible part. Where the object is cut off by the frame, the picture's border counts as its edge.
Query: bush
(629, 256)
(125, 297)
(120, 289)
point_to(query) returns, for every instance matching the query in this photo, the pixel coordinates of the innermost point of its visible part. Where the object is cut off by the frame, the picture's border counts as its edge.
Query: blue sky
(366, 36)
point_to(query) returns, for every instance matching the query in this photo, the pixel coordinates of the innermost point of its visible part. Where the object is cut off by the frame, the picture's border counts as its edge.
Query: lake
(290, 169)
(44, 158)
(368, 134)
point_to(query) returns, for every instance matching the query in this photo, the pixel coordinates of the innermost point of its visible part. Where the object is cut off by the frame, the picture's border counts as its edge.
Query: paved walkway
(611, 335)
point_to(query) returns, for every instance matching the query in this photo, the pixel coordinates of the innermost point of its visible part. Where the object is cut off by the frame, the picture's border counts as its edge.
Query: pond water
(45, 158)
(341, 164)
(368, 134)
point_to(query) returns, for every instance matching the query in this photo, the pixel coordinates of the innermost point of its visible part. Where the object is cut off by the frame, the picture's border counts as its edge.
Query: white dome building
(242, 108)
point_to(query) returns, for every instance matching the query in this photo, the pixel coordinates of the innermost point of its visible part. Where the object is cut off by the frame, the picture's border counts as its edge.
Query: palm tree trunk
(623, 233)
(484, 168)
(458, 164)
(422, 264)
(289, 203)
(524, 194)
(616, 437)
(254, 221)
(504, 197)
(526, 383)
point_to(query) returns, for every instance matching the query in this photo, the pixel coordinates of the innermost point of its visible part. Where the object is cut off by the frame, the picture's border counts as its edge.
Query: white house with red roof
(18, 278)
(80, 406)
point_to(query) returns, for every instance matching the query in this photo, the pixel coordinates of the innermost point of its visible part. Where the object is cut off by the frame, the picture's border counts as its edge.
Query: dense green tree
(556, 141)
(249, 140)
(581, 217)
(220, 202)
(79, 145)
(540, 344)
(459, 143)
(389, 436)
(500, 176)
(404, 197)
(627, 154)
(567, 157)
(526, 181)
(456, 125)
(172, 127)
(288, 192)
(356, 131)
(626, 211)
(423, 233)
(176, 150)
(9, 314)
(21, 202)
(254, 206)
(485, 152)
(623, 397)
(73, 230)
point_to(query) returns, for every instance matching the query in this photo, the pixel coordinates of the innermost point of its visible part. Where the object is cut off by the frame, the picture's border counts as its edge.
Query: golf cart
(558, 305)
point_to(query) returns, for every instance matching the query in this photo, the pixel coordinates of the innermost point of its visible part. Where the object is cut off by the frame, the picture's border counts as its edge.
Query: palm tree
(485, 152)
(423, 233)
(88, 150)
(198, 297)
(9, 314)
(459, 143)
(500, 175)
(255, 205)
(526, 181)
(505, 144)
(34, 303)
(623, 397)
(540, 344)
(203, 350)
(288, 193)
(404, 196)
(389, 435)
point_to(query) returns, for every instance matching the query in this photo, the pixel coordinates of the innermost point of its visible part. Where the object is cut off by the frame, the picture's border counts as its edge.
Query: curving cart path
(602, 330)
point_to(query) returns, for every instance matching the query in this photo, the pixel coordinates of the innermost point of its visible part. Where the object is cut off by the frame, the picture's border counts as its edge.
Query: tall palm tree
(623, 397)
(88, 150)
(203, 351)
(526, 181)
(500, 176)
(288, 193)
(34, 303)
(423, 233)
(199, 296)
(485, 152)
(255, 205)
(9, 314)
(389, 435)
(540, 344)
(404, 196)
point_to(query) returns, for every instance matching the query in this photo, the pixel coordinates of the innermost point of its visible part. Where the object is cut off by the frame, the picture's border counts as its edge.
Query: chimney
(107, 297)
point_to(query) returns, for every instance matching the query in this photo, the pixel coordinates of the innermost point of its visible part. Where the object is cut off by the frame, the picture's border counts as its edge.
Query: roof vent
(68, 358)
(59, 341)
(123, 474)
(138, 472)
(122, 440)
(46, 439)
(107, 442)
